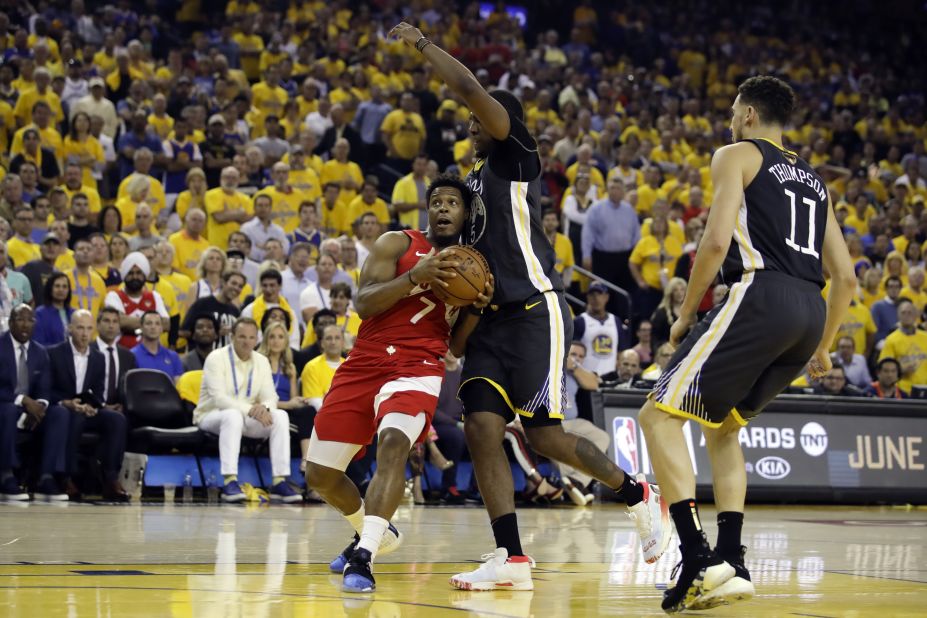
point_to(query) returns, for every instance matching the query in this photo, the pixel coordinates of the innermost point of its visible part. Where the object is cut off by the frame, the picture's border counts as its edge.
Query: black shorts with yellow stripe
(745, 351)
(515, 360)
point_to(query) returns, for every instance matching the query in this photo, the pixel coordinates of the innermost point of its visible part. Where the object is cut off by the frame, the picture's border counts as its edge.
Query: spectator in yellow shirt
(369, 201)
(915, 291)
(83, 149)
(563, 248)
(227, 208)
(41, 92)
(403, 132)
(267, 96)
(333, 212)
(408, 198)
(858, 324)
(88, 287)
(189, 243)
(143, 160)
(652, 263)
(318, 373)
(286, 198)
(20, 247)
(136, 192)
(908, 346)
(48, 134)
(342, 171)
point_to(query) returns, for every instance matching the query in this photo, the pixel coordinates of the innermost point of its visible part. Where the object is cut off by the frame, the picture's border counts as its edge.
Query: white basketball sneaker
(651, 516)
(498, 572)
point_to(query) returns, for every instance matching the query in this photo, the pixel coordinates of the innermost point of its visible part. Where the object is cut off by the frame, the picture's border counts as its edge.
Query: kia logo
(772, 468)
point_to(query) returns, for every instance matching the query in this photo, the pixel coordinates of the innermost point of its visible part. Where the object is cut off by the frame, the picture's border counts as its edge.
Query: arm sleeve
(579, 328)
(516, 157)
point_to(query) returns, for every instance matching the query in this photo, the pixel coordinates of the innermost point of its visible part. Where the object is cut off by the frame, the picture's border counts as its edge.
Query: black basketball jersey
(781, 221)
(505, 218)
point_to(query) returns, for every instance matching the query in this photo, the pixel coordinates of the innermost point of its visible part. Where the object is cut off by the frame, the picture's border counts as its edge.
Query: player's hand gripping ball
(461, 275)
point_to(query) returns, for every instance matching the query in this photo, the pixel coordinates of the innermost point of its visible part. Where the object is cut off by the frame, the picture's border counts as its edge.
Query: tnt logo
(813, 439)
(624, 434)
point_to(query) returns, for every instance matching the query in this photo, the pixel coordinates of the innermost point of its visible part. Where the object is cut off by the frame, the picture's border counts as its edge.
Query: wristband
(412, 281)
(474, 311)
(422, 43)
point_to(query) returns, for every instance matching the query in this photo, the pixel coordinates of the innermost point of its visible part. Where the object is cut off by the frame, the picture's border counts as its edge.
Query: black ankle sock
(631, 490)
(730, 524)
(688, 525)
(505, 529)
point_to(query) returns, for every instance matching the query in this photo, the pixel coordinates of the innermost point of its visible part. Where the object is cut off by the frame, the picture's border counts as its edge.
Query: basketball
(472, 274)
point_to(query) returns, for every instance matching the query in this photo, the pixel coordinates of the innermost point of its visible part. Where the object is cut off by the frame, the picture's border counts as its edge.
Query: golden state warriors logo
(477, 224)
(602, 345)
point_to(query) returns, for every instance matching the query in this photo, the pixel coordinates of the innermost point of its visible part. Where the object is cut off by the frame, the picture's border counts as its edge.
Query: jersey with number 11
(780, 225)
(419, 320)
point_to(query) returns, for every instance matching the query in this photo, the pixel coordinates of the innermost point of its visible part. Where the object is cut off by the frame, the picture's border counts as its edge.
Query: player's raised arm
(460, 79)
(727, 176)
(380, 288)
(839, 264)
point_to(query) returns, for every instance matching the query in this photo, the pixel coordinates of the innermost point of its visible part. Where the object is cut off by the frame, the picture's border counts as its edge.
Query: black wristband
(474, 311)
(422, 43)
(411, 280)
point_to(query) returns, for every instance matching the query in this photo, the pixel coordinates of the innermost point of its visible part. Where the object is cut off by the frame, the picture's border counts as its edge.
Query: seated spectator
(262, 228)
(317, 295)
(835, 384)
(16, 283)
(271, 281)
(321, 319)
(660, 361)
(576, 483)
(667, 312)
(149, 353)
(222, 307)
(20, 248)
(886, 385)
(598, 331)
(238, 399)
(78, 374)
(626, 372)
(885, 311)
(208, 280)
(37, 271)
(52, 318)
(275, 346)
(644, 347)
(915, 291)
(854, 365)
(296, 277)
(908, 346)
(118, 359)
(203, 340)
(132, 300)
(88, 287)
(538, 489)
(652, 263)
(318, 373)
(26, 389)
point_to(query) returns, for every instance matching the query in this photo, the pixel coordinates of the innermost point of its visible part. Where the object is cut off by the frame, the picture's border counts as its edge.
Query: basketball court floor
(257, 561)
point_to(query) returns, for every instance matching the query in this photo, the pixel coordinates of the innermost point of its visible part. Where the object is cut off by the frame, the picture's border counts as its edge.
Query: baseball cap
(51, 237)
(447, 105)
(96, 81)
(545, 137)
(217, 118)
(597, 286)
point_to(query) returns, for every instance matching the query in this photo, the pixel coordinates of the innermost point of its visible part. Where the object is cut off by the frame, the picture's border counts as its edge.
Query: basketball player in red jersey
(389, 384)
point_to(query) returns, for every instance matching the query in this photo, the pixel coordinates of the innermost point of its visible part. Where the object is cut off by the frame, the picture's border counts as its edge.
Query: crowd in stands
(172, 166)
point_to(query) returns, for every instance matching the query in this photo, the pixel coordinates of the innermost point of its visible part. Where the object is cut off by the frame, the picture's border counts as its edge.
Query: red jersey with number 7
(419, 320)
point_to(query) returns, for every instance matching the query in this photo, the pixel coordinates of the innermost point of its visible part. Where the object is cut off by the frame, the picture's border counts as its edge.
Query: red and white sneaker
(651, 516)
(498, 572)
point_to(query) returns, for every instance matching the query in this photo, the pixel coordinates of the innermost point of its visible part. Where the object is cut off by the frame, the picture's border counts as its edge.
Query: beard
(134, 285)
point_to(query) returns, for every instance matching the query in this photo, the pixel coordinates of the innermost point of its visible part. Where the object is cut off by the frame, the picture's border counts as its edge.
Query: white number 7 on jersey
(429, 306)
(790, 241)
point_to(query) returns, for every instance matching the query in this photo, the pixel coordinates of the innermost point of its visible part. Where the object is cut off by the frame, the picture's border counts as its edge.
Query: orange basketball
(472, 274)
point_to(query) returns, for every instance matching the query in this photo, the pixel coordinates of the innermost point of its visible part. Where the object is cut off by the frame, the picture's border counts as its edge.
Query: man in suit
(78, 377)
(340, 128)
(25, 382)
(114, 380)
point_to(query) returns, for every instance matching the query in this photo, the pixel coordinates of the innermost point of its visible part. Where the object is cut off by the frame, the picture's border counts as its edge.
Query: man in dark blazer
(25, 380)
(339, 128)
(108, 333)
(78, 374)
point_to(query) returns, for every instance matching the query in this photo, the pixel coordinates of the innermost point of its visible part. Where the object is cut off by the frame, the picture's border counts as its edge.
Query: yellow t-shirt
(646, 255)
(93, 196)
(317, 377)
(9, 123)
(162, 125)
(406, 191)
(181, 285)
(187, 252)
(185, 201)
(218, 200)
(28, 98)
(335, 221)
(48, 138)
(334, 171)
(563, 250)
(358, 207)
(249, 43)
(856, 324)
(89, 147)
(21, 251)
(646, 196)
(127, 208)
(860, 225)
(918, 298)
(65, 261)
(595, 176)
(106, 62)
(675, 230)
(407, 130)
(156, 198)
(269, 100)
(306, 180)
(86, 294)
(286, 205)
(906, 348)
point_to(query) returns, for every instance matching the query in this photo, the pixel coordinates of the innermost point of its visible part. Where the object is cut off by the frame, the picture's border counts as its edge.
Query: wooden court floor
(80, 561)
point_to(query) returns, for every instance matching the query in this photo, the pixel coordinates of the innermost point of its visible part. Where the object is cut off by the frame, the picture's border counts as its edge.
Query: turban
(135, 259)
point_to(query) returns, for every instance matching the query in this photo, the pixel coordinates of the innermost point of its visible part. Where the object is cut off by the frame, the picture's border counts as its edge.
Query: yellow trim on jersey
(683, 414)
(737, 417)
(523, 412)
(718, 326)
(492, 383)
(779, 146)
(743, 237)
(555, 395)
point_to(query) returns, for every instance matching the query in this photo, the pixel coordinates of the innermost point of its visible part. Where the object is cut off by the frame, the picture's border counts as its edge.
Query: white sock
(374, 529)
(357, 519)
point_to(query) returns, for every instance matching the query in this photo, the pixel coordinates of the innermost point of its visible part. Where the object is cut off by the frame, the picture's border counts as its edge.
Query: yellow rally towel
(254, 494)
